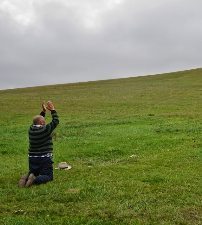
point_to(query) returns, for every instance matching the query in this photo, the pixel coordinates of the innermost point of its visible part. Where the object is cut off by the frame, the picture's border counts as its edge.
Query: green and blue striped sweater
(40, 137)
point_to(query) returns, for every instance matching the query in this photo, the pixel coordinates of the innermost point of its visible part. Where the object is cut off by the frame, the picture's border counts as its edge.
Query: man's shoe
(30, 180)
(22, 181)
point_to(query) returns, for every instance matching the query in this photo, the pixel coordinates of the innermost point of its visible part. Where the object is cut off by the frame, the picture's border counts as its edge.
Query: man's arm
(55, 120)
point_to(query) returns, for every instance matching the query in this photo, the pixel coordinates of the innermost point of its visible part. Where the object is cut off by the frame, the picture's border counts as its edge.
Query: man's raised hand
(43, 106)
(50, 106)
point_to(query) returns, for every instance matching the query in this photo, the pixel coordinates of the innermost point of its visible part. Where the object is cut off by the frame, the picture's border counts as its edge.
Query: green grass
(134, 145)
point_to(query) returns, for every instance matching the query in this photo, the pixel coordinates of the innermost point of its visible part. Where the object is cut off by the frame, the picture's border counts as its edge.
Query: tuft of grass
(134, 145)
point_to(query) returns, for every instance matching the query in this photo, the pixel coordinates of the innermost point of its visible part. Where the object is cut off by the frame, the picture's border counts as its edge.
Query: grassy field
(135, 147)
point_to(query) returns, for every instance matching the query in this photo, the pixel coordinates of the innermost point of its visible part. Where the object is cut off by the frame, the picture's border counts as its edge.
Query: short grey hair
(36, 119)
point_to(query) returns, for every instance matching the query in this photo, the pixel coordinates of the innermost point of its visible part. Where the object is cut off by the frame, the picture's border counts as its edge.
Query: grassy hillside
(134, 145)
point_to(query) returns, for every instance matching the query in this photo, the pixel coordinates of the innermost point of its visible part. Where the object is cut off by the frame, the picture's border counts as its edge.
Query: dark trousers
(42, 168)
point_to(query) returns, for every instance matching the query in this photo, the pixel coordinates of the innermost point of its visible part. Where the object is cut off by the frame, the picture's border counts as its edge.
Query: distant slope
(171, 93)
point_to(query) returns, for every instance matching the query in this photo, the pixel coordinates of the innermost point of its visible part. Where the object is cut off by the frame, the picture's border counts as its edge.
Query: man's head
(39, 120)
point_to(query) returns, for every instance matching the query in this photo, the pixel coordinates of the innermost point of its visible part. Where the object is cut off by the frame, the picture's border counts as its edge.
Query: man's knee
(41, 179)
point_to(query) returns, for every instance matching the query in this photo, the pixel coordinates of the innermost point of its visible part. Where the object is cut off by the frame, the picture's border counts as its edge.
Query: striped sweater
(40, 137)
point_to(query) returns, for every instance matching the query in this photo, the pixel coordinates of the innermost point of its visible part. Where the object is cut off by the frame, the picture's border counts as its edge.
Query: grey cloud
(128, 41)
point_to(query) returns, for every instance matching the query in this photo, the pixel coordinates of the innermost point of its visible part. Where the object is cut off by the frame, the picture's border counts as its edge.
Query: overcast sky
(62, 41)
